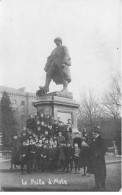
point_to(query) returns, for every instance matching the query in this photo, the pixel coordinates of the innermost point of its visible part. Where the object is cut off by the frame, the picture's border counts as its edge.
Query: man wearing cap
(57, 66)
(97, 159)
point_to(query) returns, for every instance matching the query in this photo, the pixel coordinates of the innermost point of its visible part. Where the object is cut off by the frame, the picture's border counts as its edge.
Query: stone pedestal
(62, 108)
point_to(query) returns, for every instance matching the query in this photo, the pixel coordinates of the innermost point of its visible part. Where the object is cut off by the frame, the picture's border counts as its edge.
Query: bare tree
(112, 100)
(90, 110)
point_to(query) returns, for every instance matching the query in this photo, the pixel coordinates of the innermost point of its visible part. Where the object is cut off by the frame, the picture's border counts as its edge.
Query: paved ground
(12, 181)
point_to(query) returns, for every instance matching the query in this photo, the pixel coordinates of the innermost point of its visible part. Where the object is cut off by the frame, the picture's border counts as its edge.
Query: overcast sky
(89, 28)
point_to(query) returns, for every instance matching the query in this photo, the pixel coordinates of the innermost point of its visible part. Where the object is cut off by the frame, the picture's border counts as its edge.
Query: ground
(11, 181)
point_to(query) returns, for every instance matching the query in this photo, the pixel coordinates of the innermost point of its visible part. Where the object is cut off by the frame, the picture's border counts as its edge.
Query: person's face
(76, 135)
(31, 141)
(38, 122)
(76, 145)
(60, 134)
(42, 115)
(27, 141)
(95, 135)
(24, 128)
(57, 42)
(39, 128)
(42, 123)
(37, 144)
(15, 137)
(84, 130)
(60, 124)
(83, 143)
(40, 141)
(68, 145)
(45, 146)
(50, 127)
(24, 143)
(68, 127)
(69, 121)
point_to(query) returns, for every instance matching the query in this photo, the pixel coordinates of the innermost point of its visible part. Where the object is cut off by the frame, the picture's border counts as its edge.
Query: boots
(47, 83)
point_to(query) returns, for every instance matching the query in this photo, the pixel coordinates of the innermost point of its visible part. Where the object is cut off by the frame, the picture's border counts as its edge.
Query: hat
(96, 129)
(58, 39)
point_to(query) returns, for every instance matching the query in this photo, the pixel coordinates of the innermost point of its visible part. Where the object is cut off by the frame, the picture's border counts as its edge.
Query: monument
(59, 104)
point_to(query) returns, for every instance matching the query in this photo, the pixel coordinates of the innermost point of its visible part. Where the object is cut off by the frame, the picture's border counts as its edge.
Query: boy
(39, 149)
(55, 127)
(23, 152)
(31, 156)
(62, 156)
(50, 130)
(69, 157)
(76, 158)
(44, 156)
(54, 157)
(60, 138)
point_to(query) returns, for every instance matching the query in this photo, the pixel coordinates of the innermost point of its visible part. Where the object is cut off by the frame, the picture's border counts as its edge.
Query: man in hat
(97, 159)
(57, 66)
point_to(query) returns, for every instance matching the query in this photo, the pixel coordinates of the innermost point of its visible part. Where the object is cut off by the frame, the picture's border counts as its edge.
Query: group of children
(48, 147)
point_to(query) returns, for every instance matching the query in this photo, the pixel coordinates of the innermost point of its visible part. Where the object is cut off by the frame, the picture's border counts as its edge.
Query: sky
(89, 28)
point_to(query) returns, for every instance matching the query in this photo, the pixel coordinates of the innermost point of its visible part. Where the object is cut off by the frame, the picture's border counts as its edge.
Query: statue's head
(58, 40)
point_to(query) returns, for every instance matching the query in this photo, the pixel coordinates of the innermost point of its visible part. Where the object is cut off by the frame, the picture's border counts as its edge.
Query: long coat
(54, 68)
(84, 156)
(97, 157)
(15, 159)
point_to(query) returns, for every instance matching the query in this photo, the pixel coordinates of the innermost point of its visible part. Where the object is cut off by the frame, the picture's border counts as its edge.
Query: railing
(6, 153)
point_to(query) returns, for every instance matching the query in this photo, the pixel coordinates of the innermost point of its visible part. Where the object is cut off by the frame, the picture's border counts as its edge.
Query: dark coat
(31, 124)
(31, 151)
(84, 156)
(77, 140)
(97, 157)
(69, 152)
(15, 151)
(62, 153)
(56, 129)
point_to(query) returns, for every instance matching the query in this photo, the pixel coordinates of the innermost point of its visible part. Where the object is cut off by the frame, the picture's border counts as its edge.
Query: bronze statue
(57, 68)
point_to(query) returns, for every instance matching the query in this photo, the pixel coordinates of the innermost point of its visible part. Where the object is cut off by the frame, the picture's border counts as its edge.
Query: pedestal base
(61, 108)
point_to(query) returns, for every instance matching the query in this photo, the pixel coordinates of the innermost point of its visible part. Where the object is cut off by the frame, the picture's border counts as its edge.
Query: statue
(57, 68)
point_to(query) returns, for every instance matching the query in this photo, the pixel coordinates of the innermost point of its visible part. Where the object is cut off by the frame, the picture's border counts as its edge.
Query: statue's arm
(66, 57)
(49, 60)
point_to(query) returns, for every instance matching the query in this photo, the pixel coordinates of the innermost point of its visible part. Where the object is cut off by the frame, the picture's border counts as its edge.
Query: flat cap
(58, 39)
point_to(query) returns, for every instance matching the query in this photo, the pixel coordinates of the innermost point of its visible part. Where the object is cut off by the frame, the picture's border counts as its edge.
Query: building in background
(22, 103)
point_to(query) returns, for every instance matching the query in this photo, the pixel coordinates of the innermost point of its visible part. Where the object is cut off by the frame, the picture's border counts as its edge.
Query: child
(54, 157)
(39, 149)
(50, 157)
(69, 157)
(76, 158)
(84, 155)
(15, 159)
(23, 152)
(44, 156)
(50, 130)
(46, 134)
(60, 138)
(62, 156)
(68, 133)
(55, 127)
(31, 156)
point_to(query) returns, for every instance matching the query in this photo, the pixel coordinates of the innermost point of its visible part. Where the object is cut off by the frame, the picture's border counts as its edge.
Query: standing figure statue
(57, 67)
